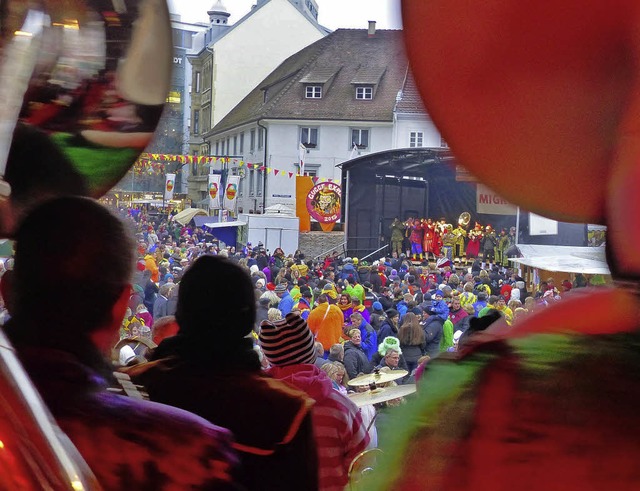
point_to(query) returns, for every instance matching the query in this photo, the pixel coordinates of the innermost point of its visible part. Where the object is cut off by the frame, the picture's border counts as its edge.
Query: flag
(169, 186)
(214, 191)
(354, 151)
(231, 193)
(302, 152)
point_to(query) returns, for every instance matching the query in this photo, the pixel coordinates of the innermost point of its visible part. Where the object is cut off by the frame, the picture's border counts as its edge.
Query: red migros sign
(491, 203)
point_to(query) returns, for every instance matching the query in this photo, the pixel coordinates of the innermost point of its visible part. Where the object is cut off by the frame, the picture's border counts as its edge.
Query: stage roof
(411, 162)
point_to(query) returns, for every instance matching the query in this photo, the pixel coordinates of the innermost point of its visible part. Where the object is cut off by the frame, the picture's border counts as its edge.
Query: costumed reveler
(414, 230)
(429, 237)
(397, 235)
(473, 247)
(458, 245)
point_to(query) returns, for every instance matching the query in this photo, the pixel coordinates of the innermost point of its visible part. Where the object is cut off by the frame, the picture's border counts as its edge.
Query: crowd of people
(247, 354)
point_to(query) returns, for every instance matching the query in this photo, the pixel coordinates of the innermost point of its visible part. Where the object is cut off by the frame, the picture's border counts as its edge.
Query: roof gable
(348, 53)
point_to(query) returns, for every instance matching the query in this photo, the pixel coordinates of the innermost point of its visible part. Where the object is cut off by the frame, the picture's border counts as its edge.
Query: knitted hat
(439, 292)
(376, 306)
(287, 342)
(389, 342)
(280, 288)
(391, 313)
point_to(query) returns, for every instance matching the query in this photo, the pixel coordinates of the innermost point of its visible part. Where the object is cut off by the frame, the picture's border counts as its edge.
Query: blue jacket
(369, 339)
(441, 309)
(286, 304)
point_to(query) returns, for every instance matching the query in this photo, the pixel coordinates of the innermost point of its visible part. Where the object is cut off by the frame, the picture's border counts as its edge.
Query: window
(309, 137)
(217, 147)
(228, 147)
(196, 122)
(242, 143)
(364, 92)
(197, 81)
(194, 164)
(260, 137)
(313, 92)
(443, 143)
(415, 139)
(252, 141)
(259, 183)
(235, 145)
(360, 138)
(252, 182)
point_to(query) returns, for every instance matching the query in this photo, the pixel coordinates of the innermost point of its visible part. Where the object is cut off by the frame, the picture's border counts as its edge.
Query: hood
(308, 378)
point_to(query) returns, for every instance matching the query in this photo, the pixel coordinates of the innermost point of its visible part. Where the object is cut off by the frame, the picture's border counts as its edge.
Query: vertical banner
(231, 193)
(169, 186)
(302, 153)
(303, 186)
(214, 191)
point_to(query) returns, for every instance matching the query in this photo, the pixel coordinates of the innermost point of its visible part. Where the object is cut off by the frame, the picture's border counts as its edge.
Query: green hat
(389, 342)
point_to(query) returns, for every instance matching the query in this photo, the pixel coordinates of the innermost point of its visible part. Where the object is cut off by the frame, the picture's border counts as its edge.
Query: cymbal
(382, 395)
(378, 378)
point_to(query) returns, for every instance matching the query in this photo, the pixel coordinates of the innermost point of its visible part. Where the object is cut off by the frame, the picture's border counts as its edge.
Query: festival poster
(169, 186)
(214, 191)
(304, 184)
(231, 193)
(324, 202)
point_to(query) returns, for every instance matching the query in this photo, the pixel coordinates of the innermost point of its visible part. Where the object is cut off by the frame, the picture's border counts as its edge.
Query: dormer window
(313, 92)
(364, 92)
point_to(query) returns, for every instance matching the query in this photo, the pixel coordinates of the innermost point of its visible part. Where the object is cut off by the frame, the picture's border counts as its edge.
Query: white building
(345, 95)
(234, 59)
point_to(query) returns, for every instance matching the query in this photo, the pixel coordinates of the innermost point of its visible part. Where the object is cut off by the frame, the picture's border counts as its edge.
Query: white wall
(253, 49)
(407, 123)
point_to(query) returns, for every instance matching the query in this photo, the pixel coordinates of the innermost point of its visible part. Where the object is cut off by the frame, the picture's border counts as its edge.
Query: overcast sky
(331, 13)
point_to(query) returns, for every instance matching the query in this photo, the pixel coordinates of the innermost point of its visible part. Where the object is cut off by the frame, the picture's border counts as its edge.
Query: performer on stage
(397, 235)
(448, 241)
(429, 237)
(414, 229)
(473, 247)
(489, 244)
(458, 246)
(501, 249)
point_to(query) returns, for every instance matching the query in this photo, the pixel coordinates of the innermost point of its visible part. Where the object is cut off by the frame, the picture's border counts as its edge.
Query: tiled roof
(410, 101)
(319, 75)
(351, 54)
(368, 75)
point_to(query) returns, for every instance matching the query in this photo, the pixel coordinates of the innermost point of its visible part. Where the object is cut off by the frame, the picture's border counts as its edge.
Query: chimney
(372, 28)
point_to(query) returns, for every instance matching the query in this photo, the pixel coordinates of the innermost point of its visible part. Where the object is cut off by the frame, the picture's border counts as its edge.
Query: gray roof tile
(349, 53)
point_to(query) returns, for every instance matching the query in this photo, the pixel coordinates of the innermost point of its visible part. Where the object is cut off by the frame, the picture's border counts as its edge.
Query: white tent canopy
(563, 259)
(186, 215)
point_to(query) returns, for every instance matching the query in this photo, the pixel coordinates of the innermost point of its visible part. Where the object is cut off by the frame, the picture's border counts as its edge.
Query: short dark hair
(59, 277)
(218, 284)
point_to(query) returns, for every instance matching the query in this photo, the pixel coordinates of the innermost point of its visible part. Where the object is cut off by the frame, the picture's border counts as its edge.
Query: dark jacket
(226, 387)
(432, 335)
(386, 329)
(355, 360)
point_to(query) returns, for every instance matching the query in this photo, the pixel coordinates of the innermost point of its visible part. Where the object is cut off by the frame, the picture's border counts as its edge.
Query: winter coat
(355, 360)
(433, 331)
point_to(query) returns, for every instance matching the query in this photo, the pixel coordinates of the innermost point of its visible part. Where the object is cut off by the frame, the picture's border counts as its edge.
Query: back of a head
(216, 300)
(73, 258)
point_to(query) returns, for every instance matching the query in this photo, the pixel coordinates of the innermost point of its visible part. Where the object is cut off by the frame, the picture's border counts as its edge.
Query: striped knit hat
(287, 342)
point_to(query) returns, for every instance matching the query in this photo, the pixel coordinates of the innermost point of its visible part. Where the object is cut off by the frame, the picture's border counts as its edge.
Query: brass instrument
(464, 219)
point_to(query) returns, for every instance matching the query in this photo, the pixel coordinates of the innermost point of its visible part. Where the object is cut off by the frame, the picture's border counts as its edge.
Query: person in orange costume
(325, 322)
(511, 408)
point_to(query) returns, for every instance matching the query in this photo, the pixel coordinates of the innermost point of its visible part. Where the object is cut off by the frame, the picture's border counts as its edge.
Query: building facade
(231, 61)
(347, 95)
